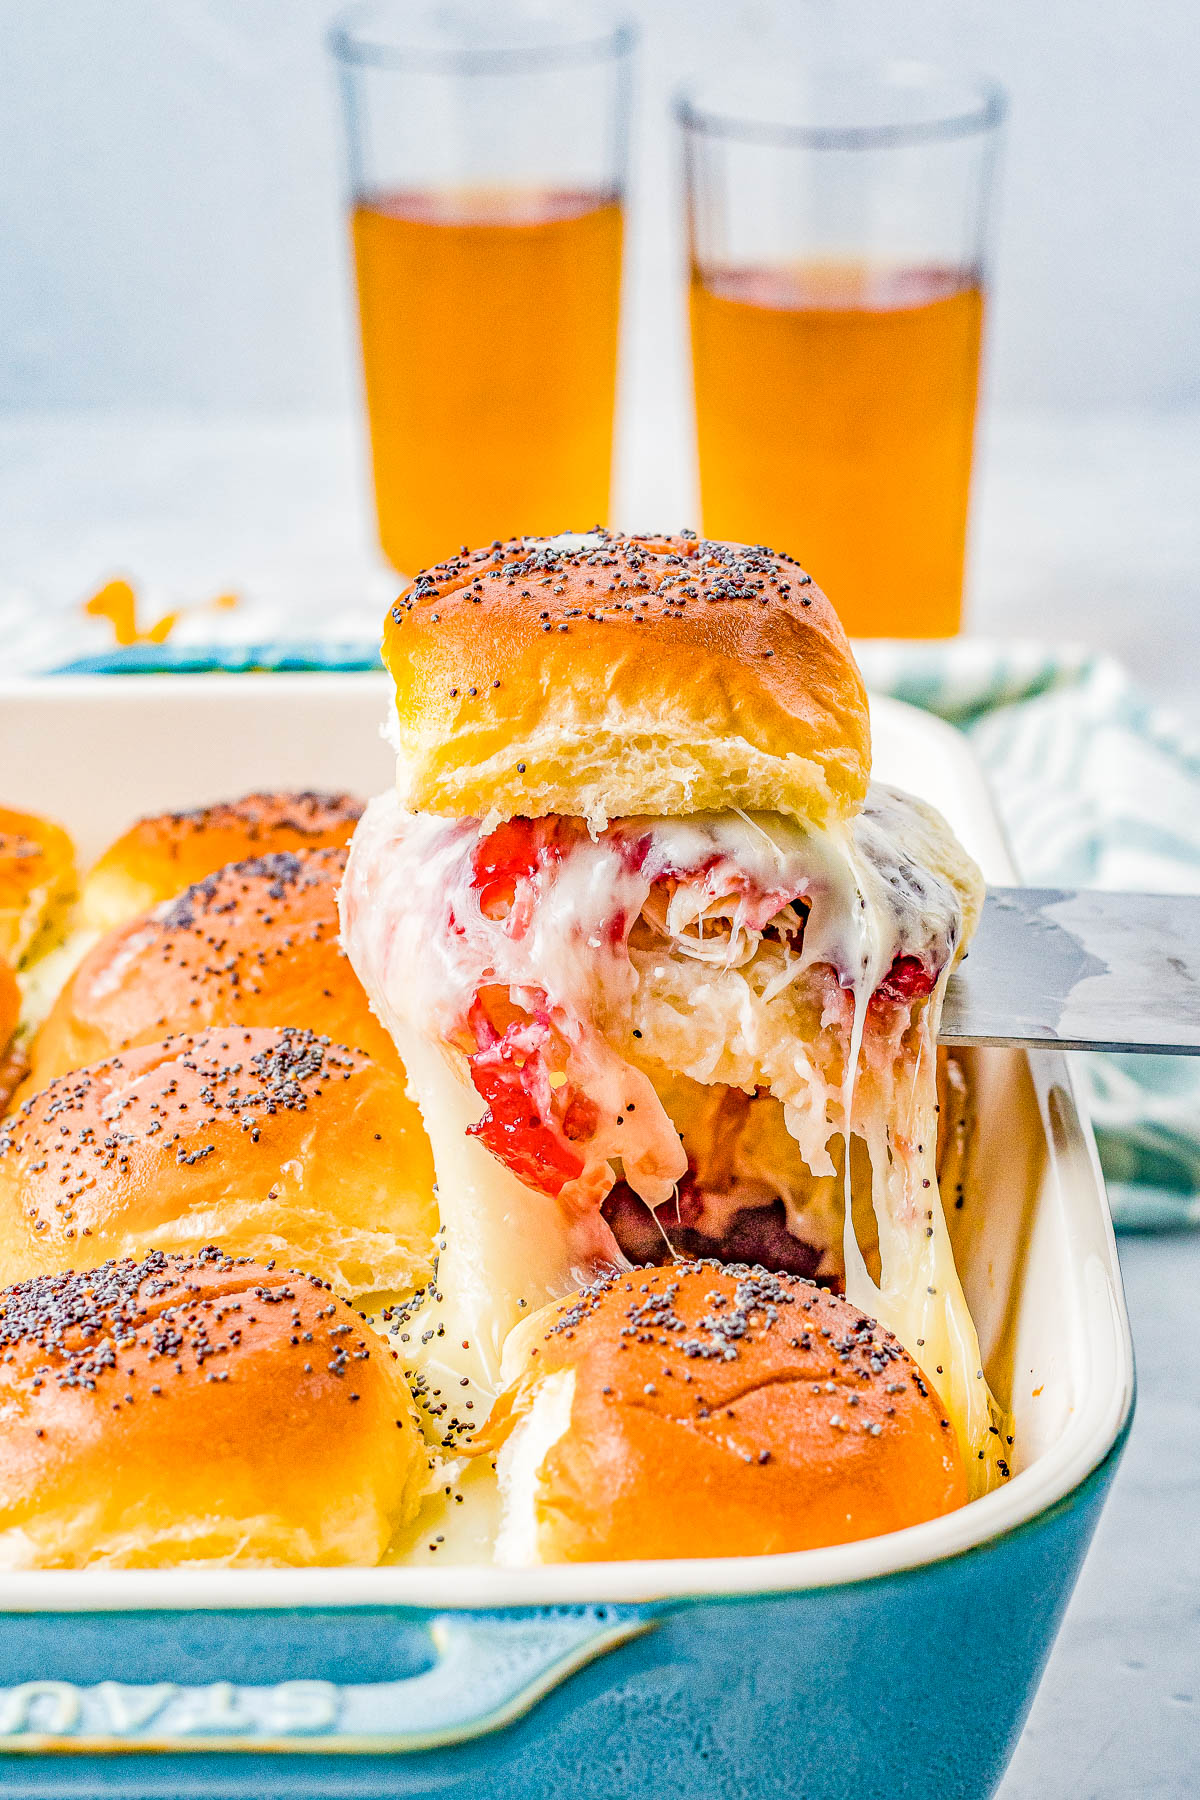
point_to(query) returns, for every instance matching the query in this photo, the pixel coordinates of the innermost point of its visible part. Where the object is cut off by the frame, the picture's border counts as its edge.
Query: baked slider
(166, 852)
(650, 941)
(707, 1410)
(37, 892)
(37, 885)
(12, 1060)
(256, 943)
(198, 1409)
(272, 1143)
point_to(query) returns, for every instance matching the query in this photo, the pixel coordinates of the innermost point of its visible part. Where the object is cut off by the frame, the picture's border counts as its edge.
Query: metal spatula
(1082, 970)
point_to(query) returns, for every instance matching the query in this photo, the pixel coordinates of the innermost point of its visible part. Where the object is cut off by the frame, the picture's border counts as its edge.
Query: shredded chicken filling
(675, 1028)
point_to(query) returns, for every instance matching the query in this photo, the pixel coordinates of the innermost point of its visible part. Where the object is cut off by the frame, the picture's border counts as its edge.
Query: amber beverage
(489, 343)
(835, 414)
(837, 227)
(487, 148)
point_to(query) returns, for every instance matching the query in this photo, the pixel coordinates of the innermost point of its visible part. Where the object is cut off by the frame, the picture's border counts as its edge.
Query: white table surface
(1087, 529)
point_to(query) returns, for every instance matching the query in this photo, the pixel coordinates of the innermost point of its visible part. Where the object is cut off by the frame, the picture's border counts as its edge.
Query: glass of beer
(487, 145)
(837, 235)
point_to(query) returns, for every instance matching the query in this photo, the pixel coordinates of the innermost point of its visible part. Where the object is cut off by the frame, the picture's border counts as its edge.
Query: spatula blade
(1083, 970)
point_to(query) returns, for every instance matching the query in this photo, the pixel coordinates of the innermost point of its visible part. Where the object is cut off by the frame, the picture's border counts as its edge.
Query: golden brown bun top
(721, 1410)
(65, 1328)
(276, 1143)
(606, 675)
(254, 944)
(162, 854)
(180, 1407)
(37, 884)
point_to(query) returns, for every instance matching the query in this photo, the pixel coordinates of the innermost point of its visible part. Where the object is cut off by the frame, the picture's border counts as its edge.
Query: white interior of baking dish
(1035, 1241)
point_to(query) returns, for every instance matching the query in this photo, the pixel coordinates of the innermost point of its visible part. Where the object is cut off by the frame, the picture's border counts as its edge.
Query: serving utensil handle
(485, 1670)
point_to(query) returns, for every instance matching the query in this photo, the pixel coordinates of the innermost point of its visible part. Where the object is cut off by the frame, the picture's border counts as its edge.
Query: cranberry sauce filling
(907, 980)
(507, 861)
(534, 1117)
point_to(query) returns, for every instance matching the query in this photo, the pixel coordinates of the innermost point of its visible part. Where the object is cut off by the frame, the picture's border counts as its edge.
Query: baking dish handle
(486, 1670)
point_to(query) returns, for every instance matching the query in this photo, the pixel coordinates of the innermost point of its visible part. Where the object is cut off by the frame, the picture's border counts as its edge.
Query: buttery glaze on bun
(37, 885)
(270, 1143)
(712, 1410)
(601, 676)
(165, 853)
(253, 944)
(198, 1409)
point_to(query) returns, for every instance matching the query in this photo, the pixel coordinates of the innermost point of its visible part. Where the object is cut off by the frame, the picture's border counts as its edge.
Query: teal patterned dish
(905, 1686)
(287, 658)
(900, 1668)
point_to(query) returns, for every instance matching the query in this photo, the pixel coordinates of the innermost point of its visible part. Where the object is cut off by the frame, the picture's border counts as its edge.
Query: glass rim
(351, 43)
(983, 112)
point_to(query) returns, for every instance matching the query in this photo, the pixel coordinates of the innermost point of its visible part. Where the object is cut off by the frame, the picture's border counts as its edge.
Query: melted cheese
(519, 1467)
(414, 930)
(43, 981)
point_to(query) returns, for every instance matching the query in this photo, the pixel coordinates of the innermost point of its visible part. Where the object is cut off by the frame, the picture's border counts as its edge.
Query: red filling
(907, 980)
(534, 1119)
(531, 1125)
(512, 855)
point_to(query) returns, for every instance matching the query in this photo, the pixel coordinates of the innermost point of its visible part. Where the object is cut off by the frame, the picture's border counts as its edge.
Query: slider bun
(254, 944)
(185, 1409)
(603, 675)
(10, 1005)
(12, 1060)
(929, 844)
(160, 855)
(37, 885)
(271, 1143)
(711, 1410)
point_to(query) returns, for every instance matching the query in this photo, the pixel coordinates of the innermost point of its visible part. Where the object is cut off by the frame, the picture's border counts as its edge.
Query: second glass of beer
(838, 228)
(487, 165)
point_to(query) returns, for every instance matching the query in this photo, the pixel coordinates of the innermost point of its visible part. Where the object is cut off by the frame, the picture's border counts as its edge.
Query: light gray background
(170, 228)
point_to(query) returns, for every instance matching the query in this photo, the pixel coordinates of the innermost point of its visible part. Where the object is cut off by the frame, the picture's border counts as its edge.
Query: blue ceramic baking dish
(903, 1666)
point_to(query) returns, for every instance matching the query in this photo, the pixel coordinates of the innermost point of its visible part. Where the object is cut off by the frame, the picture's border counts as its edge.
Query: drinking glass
(837, 232)
(487, 145)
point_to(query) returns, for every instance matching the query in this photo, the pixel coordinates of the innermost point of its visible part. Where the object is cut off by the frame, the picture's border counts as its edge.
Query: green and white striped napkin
(1097, 788)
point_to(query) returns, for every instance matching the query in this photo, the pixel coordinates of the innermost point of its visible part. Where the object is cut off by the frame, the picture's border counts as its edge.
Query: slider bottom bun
(37, 885)
(12, 1061)
(711, 1410)
(269, 1143)
(198, 1409)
